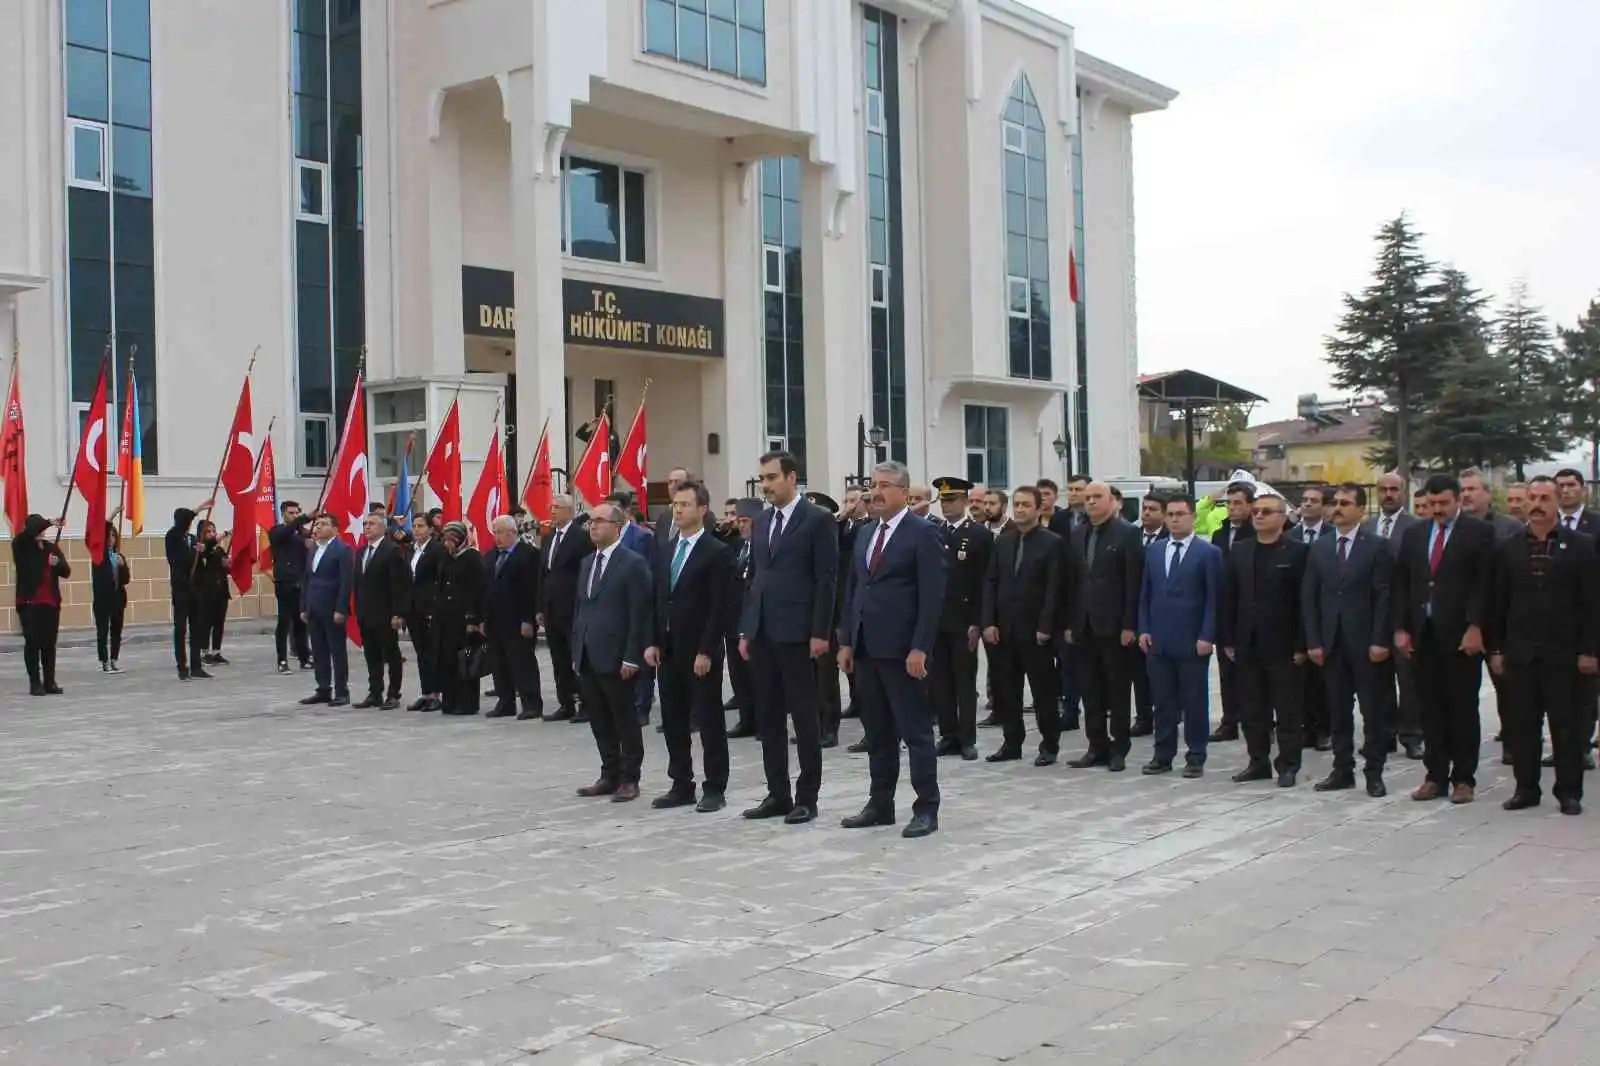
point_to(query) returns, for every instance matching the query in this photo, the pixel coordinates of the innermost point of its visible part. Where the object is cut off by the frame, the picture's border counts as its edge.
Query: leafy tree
(1523, 341)
(1581, 382)
(1470, 420)
(1386, 339)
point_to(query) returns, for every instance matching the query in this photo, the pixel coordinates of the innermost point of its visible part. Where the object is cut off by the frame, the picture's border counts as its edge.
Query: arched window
(1027, 234)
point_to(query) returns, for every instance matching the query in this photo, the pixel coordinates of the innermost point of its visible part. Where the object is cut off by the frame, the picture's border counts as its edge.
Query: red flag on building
(239, 468)
(538, 495)
(632, 463)
(1072, 274)
(89, 472)
(592, 479)
(266, 502)
(443, 468)
(346, 497)
(14, 455)
(490, 496)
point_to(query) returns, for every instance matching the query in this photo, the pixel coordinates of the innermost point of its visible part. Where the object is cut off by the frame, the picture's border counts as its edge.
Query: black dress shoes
(342, 701)
(1286, 779)
(1004, 753)
(969, 754)
(948, 746)
(1571, 806)
(1335, 782)
(1117, 763)
(741, 731)
(1256, 771)
(829, 740)
(1192, 770)
(858, 747)
(53, 689)
(1375, 786)
(1045, 758)
(1324, 742)
(1156, 766)
(870, 816)
(990, 722)
(1520, 801)
(1088, 759)
(1224, 732)
(711, 801)
(769, 808)
(420, 704)
(1142, 729)
(921, 825)
(36, 689)
(198, 673)
(669, 800)
(390, 704)
(1413, 749)
(501, 711)
(530, 714)
(368, 703)
(580, 718)
(314, 699)
(800, 815)
(562, 714)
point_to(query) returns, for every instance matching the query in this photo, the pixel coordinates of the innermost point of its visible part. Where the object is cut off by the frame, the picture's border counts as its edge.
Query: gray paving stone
(1496, 1021)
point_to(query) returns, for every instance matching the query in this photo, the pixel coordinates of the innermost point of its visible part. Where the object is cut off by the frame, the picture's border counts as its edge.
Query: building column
(449, 354)
(834, 273)
(735, 387)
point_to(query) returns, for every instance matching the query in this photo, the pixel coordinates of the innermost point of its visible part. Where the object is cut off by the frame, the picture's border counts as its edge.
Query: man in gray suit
(1345, 603)
(1478, 501)
(609, 634)
(1396, 689)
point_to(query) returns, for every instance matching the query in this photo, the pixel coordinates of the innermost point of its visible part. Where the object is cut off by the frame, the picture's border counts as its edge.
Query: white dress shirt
(602, 562)
(888, 526)
(1174, 545)
(316, 556)
(787, 510)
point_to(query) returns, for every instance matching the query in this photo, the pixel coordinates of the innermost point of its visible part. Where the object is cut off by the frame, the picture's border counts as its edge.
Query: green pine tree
(1522, 339)
(1581, 382)
(1466, 419)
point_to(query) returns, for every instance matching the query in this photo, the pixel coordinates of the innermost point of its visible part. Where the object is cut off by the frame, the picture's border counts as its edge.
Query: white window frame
(79, 414)
(1012, 281)
(300, 444)
(652, 212)
(100, 129)
(983, 451)
(878, 282)
(1008, 129)
(772, 268)
(321, 170)
(874, 111)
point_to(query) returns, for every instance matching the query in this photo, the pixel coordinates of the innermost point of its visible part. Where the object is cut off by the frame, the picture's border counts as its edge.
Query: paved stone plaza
(212, 874)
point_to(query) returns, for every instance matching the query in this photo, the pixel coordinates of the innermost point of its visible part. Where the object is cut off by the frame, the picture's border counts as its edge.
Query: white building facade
(789, 217)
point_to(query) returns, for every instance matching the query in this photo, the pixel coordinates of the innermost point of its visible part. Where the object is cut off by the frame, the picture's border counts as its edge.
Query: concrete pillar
(834, 270)
(449, 354)
(733, 390)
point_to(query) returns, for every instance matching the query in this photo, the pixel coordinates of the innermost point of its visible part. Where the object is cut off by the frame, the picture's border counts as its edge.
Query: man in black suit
(427, 555)
(1396, 688)
(1442, 584)
(1262, 632)
(896, 592)
(1577, 517)
(953, 667)
(1241, 497)
(830, 704)
(1152, 527)
(610, 630)
(686, 649)
(288, 540)
(383, 592)
(1347, 618)
(1543, 639)
(562, 554)
(746, 513)
(1020, 618)
(1314, 527)
(188, 631)
(1103, 571)
(788, 615)
(330, 577)
(511, 575)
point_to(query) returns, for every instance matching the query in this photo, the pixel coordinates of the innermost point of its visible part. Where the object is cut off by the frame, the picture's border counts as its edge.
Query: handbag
(474, 663)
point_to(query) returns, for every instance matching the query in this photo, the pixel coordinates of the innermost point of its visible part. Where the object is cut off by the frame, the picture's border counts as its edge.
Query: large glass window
(330, 299)
(1080, 408)
(603, 211)
(885, 289)
(1027, 235)
(988, 439)
(785, 310)
(726, 36)
(110, 226)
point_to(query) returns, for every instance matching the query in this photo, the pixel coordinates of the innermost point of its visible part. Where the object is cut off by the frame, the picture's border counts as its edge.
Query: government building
(791, 219)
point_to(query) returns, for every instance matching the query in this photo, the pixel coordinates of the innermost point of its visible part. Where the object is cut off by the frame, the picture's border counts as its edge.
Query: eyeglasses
(1265, 511)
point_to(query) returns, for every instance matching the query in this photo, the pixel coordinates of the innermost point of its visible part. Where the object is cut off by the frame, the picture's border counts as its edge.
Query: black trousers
(739, 677)
(214, 609)
(421, 629)
(1144, 708)
(1232, 698)
(1447, 688)
(691, 704)
(830, 711)
(330, 656)
(952, 687)
(41, 624)
(786, 690)
(1314, 712)
(614, 723)
(1104, 681)
(895, 708)
(380, 646)
(1272, 689)
(516, 670)
(1396, 689)
(1352, 678)
(290, 624)
(558, 634)
(1536, 691)
(188, 628)
(108, 615)
(1025, 659)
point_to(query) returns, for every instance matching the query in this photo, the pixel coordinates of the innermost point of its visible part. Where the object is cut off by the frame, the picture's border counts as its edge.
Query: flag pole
(411, 440)
(422, 476)
(106, 361)
(227, 448)
(327, 475)
(122, 511)
(261, 453)
(543, 436)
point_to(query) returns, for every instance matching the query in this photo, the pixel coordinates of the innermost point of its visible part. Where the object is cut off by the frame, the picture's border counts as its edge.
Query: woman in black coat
(212, 591)
(40, 566)
(457, 620)
(109, 583)
(427, 558)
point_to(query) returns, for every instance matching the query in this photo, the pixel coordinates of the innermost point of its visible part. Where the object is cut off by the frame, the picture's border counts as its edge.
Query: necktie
(1570, 522)
(505, 553)
(1177, 558)
(744, 553)
(366, 562)
(1149, 539)
(678, 555)
(555, 546)
(599, 567)
(1016, 567)
(1437, 552)
(1090, 544)
(1388, 525)
(777, 525)
(1344, 551)
(877, 547)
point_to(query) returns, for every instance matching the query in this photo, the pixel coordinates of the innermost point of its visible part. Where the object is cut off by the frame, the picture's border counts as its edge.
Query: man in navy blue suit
(894, 595)
(1178, 606)
(329, 579)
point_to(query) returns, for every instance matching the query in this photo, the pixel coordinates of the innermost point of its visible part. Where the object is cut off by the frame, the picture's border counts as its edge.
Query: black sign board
(488, 302)
(641, 320)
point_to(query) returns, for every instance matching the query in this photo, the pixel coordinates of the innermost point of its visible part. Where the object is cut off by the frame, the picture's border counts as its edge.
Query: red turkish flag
(346, 497)
(266, 502)
(89, 472)
(592, 479)
(1072, 274)
(443, 468)
(14, 457)
(538, 495)
(490, 496)
(239, 468)
(632, 464)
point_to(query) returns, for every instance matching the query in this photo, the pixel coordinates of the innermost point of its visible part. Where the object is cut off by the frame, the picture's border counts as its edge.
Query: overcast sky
(1303, 125)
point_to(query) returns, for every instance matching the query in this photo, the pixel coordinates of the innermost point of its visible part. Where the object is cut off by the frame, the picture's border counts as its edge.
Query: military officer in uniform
(829, 707)
(953, 667)
(745, 514)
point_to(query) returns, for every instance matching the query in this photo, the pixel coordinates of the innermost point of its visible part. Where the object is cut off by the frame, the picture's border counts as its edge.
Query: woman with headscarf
(457, 619)
(109, 584)
(39, 566)
(211, 590)
(427, 557)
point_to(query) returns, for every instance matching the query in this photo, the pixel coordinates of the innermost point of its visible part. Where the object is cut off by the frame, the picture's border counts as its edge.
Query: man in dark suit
(1021, 615)
(188, 631)
(1062, 520)
(746, 513)
(788, 615)
(287, 540)
(1543, 639)
(1576, 516)
(1241, 497)
(830, 703)
(610, 630)
(1442, 584)
(896, 593)
(383, 591)
(1152, 527)
(1347, 618)
(1179, 599)
(686, 650)
(1314, 527)
(562, 554)
(511, 575)
(953, 667)
(1396, 688)
(1261, 630)
(330, 579)
(427, 556)
(1105, 568)
(643, 543)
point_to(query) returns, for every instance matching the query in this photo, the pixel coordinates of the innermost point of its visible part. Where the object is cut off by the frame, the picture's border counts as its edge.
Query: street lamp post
(1063, 446)
(867, 438)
